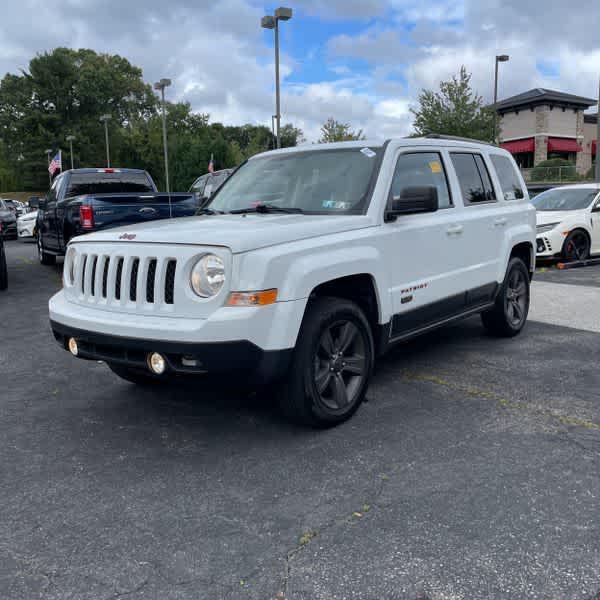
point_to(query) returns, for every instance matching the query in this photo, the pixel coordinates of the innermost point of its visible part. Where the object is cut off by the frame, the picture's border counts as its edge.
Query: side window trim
(422, 150)
(473, 153)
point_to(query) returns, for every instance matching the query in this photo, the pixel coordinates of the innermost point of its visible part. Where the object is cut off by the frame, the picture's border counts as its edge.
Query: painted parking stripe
(574, 306)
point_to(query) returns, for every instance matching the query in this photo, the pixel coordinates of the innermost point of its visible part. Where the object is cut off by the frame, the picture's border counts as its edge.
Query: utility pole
(105, 119)
(70, 139)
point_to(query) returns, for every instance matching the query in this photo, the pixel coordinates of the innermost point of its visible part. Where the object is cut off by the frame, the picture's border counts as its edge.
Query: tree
(336, 131)
(454, 110)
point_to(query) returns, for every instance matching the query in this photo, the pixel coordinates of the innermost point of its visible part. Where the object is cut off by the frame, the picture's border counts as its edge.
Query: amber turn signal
(252, 298)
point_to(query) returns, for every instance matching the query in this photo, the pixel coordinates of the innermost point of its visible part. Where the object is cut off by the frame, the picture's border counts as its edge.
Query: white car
(306, 265)
(568, 221)
(26, 225)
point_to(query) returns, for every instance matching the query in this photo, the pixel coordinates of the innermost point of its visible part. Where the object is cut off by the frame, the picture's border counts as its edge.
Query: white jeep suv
(306, 265)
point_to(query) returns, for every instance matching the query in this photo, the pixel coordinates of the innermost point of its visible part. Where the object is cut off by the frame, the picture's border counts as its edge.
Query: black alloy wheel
(516, 298)
(577, 246)
(340, 366)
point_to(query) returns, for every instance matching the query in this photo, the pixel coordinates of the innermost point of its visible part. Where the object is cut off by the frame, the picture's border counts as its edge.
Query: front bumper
(549, 244)
(9, 230)
(183, 358)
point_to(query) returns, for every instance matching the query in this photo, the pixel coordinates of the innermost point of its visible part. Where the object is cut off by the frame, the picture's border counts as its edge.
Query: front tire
(44, 258)
(510, 311)
(576, 246)
(332, 364)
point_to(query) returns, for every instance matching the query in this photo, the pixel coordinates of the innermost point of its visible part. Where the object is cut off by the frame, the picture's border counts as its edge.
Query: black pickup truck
(84, 200)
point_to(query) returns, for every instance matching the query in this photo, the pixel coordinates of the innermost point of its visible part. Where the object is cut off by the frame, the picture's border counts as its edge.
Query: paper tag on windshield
(368, 152)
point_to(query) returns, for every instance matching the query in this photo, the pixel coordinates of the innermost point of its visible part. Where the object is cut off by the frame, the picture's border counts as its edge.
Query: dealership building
(541, 124)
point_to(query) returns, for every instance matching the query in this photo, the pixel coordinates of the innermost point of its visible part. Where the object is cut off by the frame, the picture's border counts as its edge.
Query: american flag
(211, 164)
(55, 163)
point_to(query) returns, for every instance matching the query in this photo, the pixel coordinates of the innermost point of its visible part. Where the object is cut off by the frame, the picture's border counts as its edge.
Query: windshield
(317, 182)
(564, 199)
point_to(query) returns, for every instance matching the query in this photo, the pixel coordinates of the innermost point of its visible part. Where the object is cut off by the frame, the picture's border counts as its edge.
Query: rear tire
(45, 258)
(509, 315)
(331, 366)
(136, 376)
(3, 268)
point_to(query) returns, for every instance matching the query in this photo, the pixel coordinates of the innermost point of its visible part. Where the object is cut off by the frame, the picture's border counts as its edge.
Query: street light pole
(272, 22)
(105, 119)
(70, 139)
(161, 85)
(48, 154)
(500, 58)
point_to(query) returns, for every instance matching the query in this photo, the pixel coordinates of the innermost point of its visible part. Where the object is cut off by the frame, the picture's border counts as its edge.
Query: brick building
(542, 124)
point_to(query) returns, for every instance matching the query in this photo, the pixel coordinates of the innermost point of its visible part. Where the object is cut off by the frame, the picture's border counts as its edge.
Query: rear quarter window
(508, 177)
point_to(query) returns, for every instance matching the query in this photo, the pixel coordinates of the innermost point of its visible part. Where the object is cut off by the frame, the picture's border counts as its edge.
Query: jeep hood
(240, 233)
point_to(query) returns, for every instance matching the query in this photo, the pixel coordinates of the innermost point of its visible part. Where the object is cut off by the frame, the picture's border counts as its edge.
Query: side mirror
(42, 204)
(412, 200)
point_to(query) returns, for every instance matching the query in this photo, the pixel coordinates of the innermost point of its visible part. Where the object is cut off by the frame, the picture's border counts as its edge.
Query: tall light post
(272, 22)
(105, 119)
(160, 86)
(71, 139)
(49, 154)
(500, 58)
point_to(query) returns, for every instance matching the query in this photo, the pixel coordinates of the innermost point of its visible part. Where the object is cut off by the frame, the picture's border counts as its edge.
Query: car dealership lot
(472, 472)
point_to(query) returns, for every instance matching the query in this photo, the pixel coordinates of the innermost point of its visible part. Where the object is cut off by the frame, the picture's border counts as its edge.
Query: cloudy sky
(361, 61)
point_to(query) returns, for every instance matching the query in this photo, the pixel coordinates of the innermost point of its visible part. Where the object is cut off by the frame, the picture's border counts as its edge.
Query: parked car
(3, 269)
(27, 225)
(8, 220)
(18, 208)
(206, 185)
(359, 246)
(568, 221)
(84, 200)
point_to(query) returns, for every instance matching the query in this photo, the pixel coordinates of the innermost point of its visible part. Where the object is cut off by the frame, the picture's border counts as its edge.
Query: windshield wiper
(266, 208)
(209, 211)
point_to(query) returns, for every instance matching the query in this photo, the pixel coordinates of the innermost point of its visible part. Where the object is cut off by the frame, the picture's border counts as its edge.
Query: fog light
(73, 349)
(156, 363)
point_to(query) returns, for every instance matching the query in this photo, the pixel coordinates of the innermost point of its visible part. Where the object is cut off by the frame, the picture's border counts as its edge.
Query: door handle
(500, 222)
(454, 230)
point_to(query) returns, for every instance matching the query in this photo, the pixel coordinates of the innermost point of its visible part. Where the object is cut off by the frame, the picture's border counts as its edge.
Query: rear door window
(473, 177)
(509, 179)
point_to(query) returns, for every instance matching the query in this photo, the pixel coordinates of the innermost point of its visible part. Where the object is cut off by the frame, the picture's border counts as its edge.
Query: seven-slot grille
(102, 277)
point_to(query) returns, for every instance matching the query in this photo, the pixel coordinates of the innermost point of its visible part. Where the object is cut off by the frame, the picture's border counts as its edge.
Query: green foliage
(454, 110)
(555, 169)
(335, 131)
(64, 92)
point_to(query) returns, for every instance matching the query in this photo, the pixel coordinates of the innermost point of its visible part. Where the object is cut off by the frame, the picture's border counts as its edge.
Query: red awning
(563, 145)
(518, 146)
(594, 145)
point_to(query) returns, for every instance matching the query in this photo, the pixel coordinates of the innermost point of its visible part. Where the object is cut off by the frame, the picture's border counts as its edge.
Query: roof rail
(455, 138)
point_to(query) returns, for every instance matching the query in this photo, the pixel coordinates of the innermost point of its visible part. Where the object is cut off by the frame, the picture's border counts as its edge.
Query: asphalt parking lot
(472, 472)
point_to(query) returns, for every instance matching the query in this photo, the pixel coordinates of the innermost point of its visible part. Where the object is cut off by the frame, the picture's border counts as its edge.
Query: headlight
(545, 228)
(208, 276)
(69, 266)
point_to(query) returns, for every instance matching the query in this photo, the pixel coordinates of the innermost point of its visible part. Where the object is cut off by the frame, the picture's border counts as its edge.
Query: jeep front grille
(106, 278)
